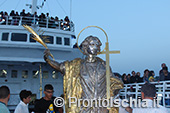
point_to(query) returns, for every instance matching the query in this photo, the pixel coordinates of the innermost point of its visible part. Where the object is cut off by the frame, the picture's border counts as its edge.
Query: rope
(3, 3)
(48, 8)
(17, 4)
(61, 7)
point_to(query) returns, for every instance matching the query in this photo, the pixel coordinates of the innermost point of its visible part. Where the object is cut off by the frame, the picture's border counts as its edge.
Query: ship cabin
(21, 57)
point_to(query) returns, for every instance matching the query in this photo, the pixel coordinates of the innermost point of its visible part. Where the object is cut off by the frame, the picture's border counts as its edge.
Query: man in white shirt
(25, 97)
(148, 92)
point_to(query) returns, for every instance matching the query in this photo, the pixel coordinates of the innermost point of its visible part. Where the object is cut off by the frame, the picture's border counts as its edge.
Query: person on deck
(25, 97)
(4, 98)
(148, 92)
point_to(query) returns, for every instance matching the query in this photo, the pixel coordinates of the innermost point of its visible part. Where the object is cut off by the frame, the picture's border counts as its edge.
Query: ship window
(35, 74)
(14, 73)
(5, 36)
(32, 40)
(19, 37)
(55, 74)
(67, 41)
(3, 73)
(45, 74)
(47, 39)
(58, 40)
(24, 74)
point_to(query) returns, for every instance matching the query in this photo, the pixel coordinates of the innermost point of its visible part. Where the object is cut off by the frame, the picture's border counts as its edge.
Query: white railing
(134, 90)
(34, 21)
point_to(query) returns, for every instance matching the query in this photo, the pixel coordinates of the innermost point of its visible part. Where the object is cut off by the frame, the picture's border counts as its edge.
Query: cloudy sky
(140, 29)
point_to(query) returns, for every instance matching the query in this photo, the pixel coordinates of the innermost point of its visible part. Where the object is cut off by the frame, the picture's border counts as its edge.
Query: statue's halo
(89, 27)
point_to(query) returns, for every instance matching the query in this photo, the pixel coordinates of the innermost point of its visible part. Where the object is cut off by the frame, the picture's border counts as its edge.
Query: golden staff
(40, 81)
(36, 37)
(106, 52)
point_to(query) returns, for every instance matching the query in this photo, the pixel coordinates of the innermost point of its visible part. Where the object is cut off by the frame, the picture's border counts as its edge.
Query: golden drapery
(72, 86)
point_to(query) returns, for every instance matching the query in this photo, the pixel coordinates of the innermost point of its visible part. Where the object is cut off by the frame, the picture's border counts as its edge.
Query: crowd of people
(148, 76)
(46, 103)
(43, 20)
(43, 105)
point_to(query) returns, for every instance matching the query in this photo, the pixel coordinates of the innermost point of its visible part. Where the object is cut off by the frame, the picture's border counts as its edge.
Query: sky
(140, 29)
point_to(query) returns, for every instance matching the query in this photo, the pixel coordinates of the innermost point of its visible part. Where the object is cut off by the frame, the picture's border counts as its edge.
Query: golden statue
(86, 78)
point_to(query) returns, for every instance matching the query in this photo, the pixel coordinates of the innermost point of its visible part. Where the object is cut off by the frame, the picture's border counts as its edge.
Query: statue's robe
(86, 80)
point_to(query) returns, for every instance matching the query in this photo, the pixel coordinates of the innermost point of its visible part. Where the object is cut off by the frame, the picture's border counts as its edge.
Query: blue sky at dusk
(140, 29)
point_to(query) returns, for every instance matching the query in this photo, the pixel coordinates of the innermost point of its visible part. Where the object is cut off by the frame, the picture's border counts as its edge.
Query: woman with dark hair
(139, 79)
(165, 75)
(128, 78)
(146, 76)
(124, 79)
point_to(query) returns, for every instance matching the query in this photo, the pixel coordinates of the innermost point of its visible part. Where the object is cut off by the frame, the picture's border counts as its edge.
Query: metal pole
(70, 9)
(34, 6)
(41, 82)
(164, 94)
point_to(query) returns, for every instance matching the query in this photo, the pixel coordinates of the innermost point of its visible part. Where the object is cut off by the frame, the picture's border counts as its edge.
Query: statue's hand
(46, 54)
(52, 63)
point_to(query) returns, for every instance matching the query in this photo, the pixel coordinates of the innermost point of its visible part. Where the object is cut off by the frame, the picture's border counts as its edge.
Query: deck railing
(35, 21)
(134, 90)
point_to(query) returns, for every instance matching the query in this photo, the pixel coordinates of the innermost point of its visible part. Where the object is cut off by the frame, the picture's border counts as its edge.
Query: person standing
(148, 92)
(133, 78)
(146, 76)
(139, 79)
(165, 75)
(45, 104)
(25, 97)
(128, 78)
(4, 98)
(124, 79)
(151, 78)
(161, 71)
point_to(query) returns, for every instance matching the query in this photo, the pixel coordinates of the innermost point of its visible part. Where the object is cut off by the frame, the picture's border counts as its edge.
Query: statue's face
(93, 47)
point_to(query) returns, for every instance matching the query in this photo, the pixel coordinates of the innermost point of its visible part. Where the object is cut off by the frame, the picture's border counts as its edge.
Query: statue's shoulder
(101, 60)
(75, 61)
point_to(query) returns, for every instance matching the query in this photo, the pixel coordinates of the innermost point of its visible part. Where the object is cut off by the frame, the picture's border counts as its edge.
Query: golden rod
(40, 81)
(107, 71)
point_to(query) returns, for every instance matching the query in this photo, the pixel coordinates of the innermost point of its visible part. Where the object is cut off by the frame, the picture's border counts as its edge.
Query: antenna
(34, 6)
(70, 9)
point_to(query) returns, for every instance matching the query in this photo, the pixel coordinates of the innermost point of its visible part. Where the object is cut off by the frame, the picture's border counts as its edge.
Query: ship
(21, 58)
